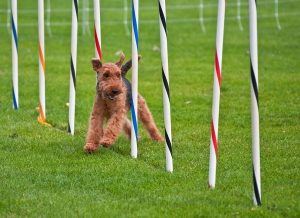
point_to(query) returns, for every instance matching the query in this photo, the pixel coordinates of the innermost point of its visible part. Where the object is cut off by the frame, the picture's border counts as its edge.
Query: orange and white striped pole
(42, 98)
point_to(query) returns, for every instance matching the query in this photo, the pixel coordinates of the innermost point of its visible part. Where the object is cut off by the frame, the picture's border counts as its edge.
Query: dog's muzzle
(113, 94)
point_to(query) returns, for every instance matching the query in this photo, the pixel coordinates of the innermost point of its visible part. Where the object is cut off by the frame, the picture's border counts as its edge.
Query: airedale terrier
(112, 102)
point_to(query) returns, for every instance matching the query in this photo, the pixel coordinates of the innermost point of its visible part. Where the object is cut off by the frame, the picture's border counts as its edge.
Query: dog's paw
(106, 142)
(159, 140)
(157, 137)
(90, 147)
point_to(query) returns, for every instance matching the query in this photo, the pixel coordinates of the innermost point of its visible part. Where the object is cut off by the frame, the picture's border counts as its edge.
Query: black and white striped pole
(165, 79)
(254, 102)
(71, 127)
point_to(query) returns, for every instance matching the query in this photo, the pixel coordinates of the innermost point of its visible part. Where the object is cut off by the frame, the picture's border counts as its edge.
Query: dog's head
(110, 76)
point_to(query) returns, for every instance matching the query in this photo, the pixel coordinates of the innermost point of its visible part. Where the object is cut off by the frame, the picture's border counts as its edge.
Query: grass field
(44, 171)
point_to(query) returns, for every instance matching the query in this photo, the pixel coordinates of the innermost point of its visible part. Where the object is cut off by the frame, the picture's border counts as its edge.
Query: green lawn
(44, 171)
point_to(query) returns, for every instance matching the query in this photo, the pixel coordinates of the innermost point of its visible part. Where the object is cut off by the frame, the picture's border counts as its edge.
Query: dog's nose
(115, 91)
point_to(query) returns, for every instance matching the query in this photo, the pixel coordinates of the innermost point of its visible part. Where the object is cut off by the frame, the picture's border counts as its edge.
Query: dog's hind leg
(127, 128)
(146, 117)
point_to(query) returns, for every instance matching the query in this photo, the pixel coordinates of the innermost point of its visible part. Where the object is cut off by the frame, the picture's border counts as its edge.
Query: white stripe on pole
(254, 102)
(42, 101)
(276, 14)
(165, 84)
(201, 17)
(97, 30)
(73, 66)
(238, 15)
(48, 21)
(134, 81)
(83, 22)
(8, 16)
(125, 18)
(14, 35)
(216, 95)
(85, 17)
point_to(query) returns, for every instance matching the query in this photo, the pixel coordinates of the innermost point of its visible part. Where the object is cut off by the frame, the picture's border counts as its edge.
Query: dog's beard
(110, 97)
(106, 95)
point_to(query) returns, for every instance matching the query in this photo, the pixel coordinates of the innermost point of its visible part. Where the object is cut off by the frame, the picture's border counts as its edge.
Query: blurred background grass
(44, 171)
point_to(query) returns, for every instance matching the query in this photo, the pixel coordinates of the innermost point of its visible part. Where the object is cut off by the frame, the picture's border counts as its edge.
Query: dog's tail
(126, 67)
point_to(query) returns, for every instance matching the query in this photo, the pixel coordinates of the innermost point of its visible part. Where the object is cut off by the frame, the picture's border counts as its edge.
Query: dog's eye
(105, 75)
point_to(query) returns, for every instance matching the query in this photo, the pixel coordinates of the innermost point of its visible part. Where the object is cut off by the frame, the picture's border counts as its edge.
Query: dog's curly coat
(112, 102)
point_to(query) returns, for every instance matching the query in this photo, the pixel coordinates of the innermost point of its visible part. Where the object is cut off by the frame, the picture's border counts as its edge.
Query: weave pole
(276, 14)
(85, 17)
(42, 100)
(48, 21)
(254, 102)
(216, 95)
(71, 127)
(134, 80)
(238, 15)
(125, 17)
(14, 36)
(97, 30)
(201, 17)
(8, 20)
(165, 83)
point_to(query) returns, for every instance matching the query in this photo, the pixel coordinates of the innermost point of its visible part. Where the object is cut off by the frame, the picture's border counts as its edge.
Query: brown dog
(112, 102)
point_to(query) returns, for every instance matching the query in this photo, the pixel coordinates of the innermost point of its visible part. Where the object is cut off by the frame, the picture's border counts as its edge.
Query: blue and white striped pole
(134, 81)
(71, 127)
(165, 79)
(14, 36)
(254, 102)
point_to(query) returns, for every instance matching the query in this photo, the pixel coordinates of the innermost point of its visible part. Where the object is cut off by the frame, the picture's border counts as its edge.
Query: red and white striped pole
(254, 102)
(42, 100)
(97, 29)
(216, 95)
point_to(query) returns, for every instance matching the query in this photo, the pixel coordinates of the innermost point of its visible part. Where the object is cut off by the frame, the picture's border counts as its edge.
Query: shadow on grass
(143, 156)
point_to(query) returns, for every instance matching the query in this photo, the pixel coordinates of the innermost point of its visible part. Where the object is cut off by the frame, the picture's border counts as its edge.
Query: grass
(44, 172)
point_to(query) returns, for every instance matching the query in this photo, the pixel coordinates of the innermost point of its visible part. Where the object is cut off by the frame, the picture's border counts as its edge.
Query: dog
(112, 103)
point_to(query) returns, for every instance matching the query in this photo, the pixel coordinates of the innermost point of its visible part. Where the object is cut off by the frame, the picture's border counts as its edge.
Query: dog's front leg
(95, 130)
(114, 126)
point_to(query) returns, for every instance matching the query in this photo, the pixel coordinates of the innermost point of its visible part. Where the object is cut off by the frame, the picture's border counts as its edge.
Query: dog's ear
(122, 58)
(126, 67)
(97, 64)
